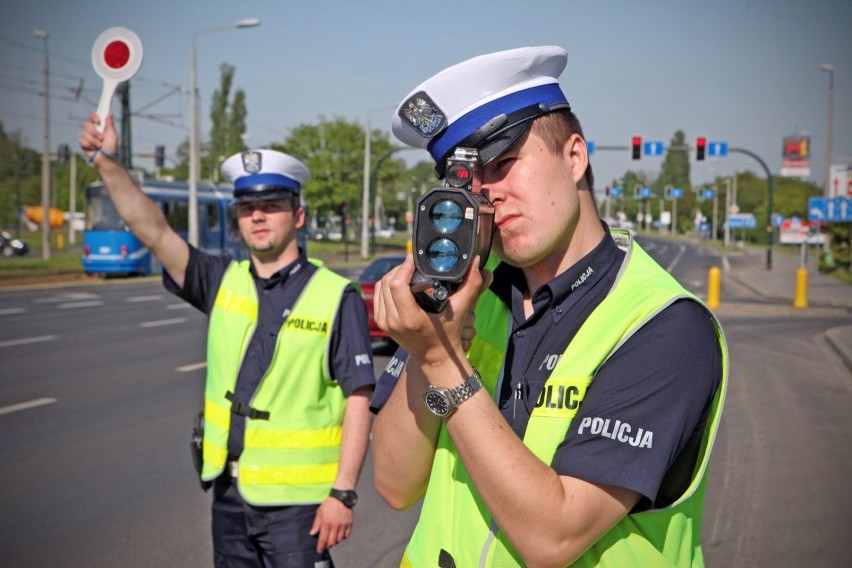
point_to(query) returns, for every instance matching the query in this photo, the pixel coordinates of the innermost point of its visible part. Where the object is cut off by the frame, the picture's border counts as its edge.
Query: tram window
(213, 216)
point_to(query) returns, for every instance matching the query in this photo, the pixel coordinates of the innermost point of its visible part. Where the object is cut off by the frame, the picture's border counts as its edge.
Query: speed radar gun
(116, 57)
(452, 225)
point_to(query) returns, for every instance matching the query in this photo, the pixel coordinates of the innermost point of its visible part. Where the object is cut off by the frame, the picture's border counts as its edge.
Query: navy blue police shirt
(660, 382)
(350, 358)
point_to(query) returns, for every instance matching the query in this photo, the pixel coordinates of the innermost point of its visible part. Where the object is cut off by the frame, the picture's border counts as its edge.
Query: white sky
(744, 72)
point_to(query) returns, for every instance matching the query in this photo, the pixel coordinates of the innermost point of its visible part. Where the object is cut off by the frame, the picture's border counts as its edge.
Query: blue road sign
(615, 192)
(646, 192)
(742, 221)
(677, 193)
(653, 148)
(717, 149)
(591, 146)
(831, 209)
(707, 194)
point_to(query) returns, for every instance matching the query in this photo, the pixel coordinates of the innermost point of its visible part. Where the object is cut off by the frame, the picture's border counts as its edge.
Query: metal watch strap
(467, 389)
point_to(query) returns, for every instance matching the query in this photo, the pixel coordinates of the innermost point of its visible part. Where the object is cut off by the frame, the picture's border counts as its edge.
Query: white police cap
(485, 102)
(264, 174)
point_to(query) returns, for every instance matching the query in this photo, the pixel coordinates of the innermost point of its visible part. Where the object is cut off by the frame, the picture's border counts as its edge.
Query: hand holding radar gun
(452, 224)
(116, 57)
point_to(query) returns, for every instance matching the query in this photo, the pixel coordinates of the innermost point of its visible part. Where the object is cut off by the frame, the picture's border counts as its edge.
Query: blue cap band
(255, 180)
(464, 126)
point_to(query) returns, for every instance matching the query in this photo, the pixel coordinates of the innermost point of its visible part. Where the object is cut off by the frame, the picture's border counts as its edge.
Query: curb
(835, 336)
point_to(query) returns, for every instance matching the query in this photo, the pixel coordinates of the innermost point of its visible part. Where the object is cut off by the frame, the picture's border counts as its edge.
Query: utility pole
(45, 155)
(126, 153)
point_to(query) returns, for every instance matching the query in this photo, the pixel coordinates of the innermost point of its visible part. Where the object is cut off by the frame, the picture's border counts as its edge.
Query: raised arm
(140, 213)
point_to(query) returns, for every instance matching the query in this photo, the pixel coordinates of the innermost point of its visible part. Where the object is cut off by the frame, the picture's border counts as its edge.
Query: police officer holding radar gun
(289, 373)
(578, 426)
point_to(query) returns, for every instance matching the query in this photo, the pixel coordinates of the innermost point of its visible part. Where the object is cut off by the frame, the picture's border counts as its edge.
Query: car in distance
(11, 246)
(372, 274)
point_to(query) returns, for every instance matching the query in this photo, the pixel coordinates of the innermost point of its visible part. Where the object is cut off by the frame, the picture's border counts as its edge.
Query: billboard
(796, 156)
(840, 182)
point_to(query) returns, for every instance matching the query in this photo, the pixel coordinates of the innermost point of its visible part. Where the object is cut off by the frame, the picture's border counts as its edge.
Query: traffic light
(63, 154)
(159, 156)
(700, 148)
(636, 148)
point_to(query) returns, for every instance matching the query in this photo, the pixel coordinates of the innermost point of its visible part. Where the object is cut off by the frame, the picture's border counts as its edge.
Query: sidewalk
(778, 285)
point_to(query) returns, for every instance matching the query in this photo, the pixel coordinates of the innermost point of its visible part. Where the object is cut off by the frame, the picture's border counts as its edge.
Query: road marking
(75, 305)
(671, 266)
(64, 297)
(188, 368)
(26, 405)
(180, 306)
(136, 299)
(10, 311)
(159, 323)
(26, 340)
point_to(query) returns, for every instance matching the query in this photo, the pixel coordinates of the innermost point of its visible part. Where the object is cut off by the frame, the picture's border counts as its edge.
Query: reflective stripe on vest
(451, 523)
(291, 458)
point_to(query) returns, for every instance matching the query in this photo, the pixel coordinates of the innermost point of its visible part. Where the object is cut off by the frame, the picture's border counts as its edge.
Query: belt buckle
(233, 469)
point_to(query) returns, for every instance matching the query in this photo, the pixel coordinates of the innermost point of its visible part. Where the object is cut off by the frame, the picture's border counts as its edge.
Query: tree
(675, 172)
(334, 152)
(228, 118)
(20, 175)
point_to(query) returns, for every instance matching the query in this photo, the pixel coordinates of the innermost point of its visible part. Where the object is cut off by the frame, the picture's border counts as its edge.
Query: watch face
(437, 402)
(348, 498)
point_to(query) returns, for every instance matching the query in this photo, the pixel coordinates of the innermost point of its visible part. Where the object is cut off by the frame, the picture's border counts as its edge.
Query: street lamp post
(45, 155)
(365, 195)
(194, 144)
(827, 67)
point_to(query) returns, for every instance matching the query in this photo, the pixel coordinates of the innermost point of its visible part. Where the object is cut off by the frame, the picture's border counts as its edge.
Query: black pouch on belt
(195, 449)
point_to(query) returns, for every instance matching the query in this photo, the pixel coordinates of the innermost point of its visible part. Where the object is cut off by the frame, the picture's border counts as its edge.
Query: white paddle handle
(106, 98)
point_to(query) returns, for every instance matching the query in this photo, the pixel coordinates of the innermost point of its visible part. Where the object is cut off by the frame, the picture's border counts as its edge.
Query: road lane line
(136, 299)
(180, 306)
(671, 266)
(26, 340)
(159, 323)
(75, 305)
(26, 405)
(188, 368)
(64, 297)
(10, 311)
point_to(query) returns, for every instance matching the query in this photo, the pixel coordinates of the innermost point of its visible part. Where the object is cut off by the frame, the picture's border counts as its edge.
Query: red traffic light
(700, 148)
(636, 148)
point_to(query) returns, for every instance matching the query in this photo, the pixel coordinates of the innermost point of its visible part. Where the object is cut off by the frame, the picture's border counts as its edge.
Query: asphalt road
(99, 385)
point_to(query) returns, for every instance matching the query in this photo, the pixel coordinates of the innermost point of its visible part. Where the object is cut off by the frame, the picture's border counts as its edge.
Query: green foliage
(334, 152)
(20, 177)
(675, 168)
(228, 118)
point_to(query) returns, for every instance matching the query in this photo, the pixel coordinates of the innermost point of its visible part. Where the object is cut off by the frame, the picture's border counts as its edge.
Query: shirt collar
(509, 280)
(280, 277)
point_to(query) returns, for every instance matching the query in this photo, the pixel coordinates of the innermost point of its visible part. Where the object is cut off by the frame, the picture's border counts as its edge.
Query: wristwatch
(347, 497)
(443, 402)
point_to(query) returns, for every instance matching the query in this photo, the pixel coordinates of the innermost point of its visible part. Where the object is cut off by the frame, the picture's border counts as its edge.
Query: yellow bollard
(713, 284)
(801, 298)
(409, 247)
(60, 241)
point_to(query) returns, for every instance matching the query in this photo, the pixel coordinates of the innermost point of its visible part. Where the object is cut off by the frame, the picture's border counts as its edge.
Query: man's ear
(300, 215)
(576, 153)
